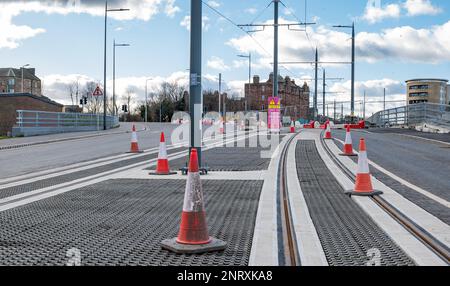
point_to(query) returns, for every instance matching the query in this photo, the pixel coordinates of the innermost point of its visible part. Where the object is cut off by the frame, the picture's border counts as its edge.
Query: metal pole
(220, 90)
(323, 91)
(195, 88)
(316, 84)
(146, 102)
(364, 106)
(22, 79)
(334, 111)
(353, 72)
(342, 111)
(104, 69)
(275, 53)
(114, 77)
(249, 77)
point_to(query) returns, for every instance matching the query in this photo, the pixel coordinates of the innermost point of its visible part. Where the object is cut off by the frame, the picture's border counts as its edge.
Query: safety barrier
(413, 115)
(32, 122)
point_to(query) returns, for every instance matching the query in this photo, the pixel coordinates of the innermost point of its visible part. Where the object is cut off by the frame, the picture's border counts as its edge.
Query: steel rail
(422, 235)
(291, 255)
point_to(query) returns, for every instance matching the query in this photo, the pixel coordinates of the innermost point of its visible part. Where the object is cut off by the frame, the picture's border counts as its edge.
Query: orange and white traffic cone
(348, 145)
(193, 236)
(292, 127)
(363, 184)
(162, 167)
(328, 132)
(134, 142)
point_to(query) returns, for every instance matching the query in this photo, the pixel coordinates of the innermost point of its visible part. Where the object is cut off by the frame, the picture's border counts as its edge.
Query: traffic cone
(162, 167)
(134, 142)
(348, 145)
(328, 132)
(363, 184)
(193, 236)
(292, 127)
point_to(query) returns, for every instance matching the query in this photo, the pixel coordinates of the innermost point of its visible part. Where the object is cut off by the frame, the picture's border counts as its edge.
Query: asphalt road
(423, 163)
(29, 159)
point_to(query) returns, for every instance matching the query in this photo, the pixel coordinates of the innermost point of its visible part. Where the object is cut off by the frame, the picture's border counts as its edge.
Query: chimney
(32, 71)
(256, 79)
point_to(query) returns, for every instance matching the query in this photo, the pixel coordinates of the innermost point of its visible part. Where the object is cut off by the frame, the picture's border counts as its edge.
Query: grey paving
(422, 201)
(122, 222)
(346, 232)
(424, 164)
(228, 159)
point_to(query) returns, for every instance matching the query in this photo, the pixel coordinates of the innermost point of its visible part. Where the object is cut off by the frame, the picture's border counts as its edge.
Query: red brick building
(294, 98)
(11, 102)
(11, 81)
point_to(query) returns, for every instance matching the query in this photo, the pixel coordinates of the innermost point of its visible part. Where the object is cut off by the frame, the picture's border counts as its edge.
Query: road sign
(274, 114)
(97, 92)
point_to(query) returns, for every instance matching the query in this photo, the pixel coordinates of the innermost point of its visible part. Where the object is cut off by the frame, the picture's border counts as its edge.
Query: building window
(11, 82)
(263, 89)
(412, 94)
(415, 87)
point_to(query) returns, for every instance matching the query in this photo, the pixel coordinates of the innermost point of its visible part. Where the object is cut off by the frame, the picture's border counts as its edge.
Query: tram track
(422, 235)
(290, 253)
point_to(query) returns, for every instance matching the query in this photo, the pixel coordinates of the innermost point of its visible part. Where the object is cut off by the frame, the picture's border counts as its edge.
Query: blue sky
(390, 36)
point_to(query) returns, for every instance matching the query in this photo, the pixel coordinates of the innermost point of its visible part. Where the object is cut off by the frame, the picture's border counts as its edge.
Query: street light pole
(249, 57)
(104, 59)
(146, 101)
(352, 104)
(220, 91)
(22, 73)
(114, 73)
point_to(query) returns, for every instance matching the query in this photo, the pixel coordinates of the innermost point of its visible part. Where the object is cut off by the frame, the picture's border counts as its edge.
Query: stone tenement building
(11, 81)
(294, 98)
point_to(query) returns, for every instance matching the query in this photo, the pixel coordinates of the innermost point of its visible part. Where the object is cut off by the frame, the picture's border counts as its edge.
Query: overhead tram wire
(246, 32)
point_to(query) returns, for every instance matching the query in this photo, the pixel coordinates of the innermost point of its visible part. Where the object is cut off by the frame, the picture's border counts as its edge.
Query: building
(427, 90)
(294, 98)
(11, 81)
(11, 102)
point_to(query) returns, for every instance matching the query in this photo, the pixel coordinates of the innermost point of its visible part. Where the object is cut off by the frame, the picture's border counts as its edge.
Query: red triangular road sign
(97, 92)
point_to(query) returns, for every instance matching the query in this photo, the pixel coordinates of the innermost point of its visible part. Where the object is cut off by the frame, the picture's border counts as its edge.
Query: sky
(396, 40)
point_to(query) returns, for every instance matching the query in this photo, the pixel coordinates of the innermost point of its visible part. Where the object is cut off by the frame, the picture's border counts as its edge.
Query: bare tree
(95, 103)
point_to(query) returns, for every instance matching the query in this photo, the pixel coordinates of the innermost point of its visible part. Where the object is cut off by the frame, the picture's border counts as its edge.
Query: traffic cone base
(214, 245)
(348, 151)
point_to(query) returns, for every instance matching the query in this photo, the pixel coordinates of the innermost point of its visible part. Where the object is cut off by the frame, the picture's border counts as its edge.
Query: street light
(146, 102)
(104, 59)
(352, 108)
(249, 57)
(21, 68)
(114, 73)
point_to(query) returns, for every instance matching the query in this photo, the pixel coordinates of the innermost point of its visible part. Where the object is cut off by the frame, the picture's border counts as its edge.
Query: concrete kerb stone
(264, 250)
(308, 242)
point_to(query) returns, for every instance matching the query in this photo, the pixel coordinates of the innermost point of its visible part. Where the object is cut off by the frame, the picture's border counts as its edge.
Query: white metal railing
(413, 114)
(59, 120)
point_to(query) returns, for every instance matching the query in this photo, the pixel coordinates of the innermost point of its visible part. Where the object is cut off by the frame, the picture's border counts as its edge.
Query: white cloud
(214, 4)
(217, 64)
(400, 44)
(421, 7)
(375, 14)
(12, 35)
(186, 22)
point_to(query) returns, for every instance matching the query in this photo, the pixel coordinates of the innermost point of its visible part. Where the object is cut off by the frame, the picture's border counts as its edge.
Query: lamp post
(352, 107)
(249, 73)
(21, 68)
(114, 73)
(146, 101)
(104, 59)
